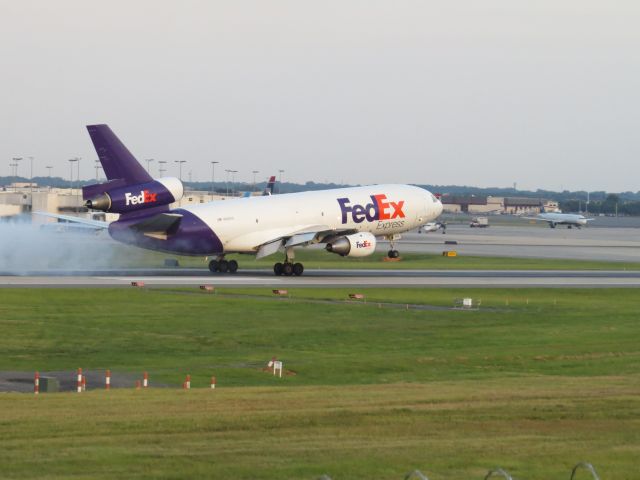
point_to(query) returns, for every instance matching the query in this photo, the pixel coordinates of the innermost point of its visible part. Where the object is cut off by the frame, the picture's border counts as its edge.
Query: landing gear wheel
(298, 268)
(393, 253)
(213, 266)
(287, 269)
(232, 266)
(278, 268)
(223, 266)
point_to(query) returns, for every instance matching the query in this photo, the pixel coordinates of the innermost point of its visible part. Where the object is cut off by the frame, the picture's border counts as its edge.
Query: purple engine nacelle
(133, 198)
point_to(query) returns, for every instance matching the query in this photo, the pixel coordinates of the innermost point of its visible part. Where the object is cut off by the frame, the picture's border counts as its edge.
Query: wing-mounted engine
(114, 197)
(357, 245)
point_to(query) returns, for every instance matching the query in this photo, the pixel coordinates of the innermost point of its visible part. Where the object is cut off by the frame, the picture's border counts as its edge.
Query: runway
(604, 244)
(333, 278)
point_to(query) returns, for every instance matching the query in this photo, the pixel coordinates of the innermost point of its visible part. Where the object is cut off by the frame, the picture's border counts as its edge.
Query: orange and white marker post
(107, 380)
(79, 381)
(213, 383)
(187, 383)
(84, 383)
(36, 383)
(145, 381)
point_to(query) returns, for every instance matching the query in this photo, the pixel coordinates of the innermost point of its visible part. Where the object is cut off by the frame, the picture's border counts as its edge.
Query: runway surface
(605, 244)
(332, 278)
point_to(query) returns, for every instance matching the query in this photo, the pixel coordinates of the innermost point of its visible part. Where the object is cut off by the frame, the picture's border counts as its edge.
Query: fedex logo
(365, 244)
(378, 209)
(145, 197)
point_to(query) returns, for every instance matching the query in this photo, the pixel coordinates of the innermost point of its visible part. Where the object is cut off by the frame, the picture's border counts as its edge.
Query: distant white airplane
(347, 220)
(432, 227)
(559, 218)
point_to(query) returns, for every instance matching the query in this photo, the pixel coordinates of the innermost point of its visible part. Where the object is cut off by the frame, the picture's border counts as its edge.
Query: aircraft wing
(97, 224)
(300, 237)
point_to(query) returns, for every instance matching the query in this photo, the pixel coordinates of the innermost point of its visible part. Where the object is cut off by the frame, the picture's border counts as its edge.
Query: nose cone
(433, 205)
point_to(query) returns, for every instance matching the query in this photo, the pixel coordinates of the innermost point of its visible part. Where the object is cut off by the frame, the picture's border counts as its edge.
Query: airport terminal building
(496, 205)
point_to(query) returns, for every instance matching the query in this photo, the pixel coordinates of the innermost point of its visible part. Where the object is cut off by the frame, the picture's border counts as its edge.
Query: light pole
(149, 160)
(180, 162)
(15, 165)
(213, 171)
(49, 167)
(31, 179)
(71, 162)
(233, 181)
(161, 168)
(227, 180)
(254, 179)
(587, 206)
(280, 182)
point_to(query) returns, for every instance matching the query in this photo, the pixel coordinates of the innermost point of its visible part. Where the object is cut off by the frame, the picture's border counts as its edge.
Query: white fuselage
(564, 218)
(244, 224)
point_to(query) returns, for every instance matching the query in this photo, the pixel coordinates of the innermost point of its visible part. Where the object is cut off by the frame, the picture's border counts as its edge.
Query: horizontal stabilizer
(97, 224)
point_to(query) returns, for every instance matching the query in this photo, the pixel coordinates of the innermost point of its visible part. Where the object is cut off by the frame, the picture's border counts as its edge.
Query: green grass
(535, 381)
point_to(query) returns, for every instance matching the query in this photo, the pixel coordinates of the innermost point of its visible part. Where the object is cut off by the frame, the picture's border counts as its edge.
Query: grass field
(534, 382)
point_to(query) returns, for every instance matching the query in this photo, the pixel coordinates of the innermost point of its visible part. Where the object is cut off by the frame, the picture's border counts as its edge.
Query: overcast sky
(544, 93)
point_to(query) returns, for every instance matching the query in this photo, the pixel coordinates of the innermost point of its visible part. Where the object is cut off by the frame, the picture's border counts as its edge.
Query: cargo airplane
(348, 221)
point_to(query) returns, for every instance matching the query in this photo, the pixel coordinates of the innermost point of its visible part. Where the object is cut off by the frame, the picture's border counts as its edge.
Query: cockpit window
(434, 198)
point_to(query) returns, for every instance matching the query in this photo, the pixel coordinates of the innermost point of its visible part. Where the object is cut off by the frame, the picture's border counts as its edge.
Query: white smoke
(29, 248)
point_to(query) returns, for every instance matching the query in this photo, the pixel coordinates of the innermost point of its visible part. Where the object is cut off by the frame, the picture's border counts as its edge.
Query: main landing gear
(288, 268)
(223, 266)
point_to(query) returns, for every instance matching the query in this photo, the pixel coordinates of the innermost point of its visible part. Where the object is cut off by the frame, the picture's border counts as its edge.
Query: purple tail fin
(117, 161)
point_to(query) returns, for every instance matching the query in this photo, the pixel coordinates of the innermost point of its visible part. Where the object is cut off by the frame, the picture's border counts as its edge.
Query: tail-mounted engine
(124, 199)
(356, 245)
